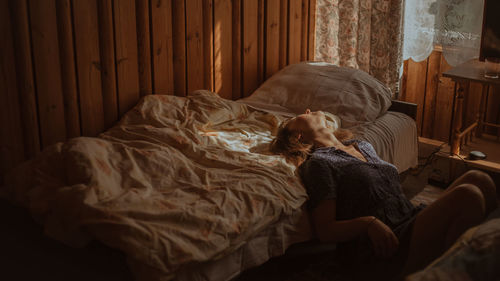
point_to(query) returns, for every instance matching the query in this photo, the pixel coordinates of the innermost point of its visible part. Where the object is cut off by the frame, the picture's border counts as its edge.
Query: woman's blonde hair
(295, 151)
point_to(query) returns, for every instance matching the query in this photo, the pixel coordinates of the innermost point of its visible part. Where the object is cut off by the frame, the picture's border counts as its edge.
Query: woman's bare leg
(484, 182)
(439, 225)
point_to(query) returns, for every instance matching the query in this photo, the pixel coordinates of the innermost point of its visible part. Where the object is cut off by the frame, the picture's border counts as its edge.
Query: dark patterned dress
(360, 188)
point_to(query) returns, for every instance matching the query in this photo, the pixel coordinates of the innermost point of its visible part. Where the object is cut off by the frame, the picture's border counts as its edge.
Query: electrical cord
(428, 160)
(466, 166)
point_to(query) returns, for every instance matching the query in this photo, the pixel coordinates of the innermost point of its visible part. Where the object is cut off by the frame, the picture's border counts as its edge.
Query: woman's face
(307, 124)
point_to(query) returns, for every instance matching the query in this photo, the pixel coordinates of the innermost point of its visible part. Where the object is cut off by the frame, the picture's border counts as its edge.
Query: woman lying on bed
(355, 199)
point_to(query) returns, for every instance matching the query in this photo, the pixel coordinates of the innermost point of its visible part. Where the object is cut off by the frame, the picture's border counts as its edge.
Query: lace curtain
(453, 24)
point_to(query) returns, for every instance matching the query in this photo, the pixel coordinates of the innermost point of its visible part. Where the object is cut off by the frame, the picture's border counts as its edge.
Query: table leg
(454, 99)
(482, 110)
(457, 120)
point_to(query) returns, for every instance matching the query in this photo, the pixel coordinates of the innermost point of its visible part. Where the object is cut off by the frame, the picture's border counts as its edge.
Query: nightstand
(462, 75)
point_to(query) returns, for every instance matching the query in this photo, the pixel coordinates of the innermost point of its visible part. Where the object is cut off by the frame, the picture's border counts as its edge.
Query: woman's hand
(384, 242)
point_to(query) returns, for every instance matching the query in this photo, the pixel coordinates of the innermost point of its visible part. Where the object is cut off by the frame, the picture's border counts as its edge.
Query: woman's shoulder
(322, 158)
(318, 159)
(315, 167)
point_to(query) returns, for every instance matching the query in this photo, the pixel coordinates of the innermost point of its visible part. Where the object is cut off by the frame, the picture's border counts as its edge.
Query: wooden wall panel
(127, 69)
(423, 84)
(88, 66)
(250, 47)
(179, 47)
(237, 75)
(161, 28)
(431, 87)
(311, 43)
(194, 45)
(261, 42)
(25, 79)
(11, 134)
(272, 37)
(47, 70)
(417, 72)
(68, 68)
(144, 47)
(108, 62)
(304, 30)
(81, 64)
(208, 45)
(223, 48)
(284, 26)
(444, 104)
(294, 31)
(434, 95)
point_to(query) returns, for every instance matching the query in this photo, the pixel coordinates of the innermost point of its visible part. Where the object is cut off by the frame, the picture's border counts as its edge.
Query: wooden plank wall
(74, 67)
(423, 84)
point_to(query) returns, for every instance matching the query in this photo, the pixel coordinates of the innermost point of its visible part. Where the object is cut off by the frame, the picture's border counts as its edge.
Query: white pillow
(352, 94)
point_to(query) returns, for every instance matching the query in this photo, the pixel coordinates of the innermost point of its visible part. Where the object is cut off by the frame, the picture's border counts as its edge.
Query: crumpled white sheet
(179, 181)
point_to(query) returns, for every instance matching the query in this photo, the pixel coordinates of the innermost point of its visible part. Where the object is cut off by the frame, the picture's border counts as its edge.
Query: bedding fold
(178, 182)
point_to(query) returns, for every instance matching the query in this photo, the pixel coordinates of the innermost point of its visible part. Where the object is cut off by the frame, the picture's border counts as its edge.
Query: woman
(355, 199)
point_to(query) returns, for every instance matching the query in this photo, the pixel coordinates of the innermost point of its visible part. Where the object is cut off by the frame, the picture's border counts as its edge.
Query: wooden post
(480, 113)
(457, 121)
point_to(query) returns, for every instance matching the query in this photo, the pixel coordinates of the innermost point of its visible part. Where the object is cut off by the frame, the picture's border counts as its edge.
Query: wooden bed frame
(407, 108)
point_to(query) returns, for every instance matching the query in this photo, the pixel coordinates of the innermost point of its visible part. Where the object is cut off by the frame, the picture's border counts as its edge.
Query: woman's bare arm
(329, 229)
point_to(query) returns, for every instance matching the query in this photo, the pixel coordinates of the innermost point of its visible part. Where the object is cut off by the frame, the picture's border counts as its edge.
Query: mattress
(394, 137)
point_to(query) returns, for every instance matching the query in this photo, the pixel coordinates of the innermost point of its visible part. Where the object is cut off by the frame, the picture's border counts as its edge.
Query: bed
(186, 186)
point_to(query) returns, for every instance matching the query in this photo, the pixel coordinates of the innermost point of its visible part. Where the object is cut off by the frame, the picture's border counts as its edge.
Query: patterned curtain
(364, 34)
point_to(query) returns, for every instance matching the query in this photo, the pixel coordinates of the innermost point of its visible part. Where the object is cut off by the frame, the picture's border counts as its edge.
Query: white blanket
(178, 182)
